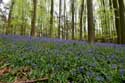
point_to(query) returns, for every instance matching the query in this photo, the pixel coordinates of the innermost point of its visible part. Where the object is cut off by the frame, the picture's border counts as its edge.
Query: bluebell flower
(93, 64)
(81, 69)
(99, 78)
(114, 66)
(122, 60)
(113, 56)
(90, 50)
(90, 74)
(122, 72)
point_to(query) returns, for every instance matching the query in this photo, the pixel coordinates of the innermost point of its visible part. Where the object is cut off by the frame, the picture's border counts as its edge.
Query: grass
(62, 60)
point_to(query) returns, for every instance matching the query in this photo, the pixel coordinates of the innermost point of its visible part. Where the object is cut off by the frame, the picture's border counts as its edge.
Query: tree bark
(51, 18)
(59, 26)
(122, 20)
(117, 20)
(81, 20)
(91, 31)
(33, 22)
(8, 28)
(73, 12)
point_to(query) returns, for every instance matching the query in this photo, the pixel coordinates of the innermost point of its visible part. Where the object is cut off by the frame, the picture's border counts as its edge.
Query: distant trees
(101, 21)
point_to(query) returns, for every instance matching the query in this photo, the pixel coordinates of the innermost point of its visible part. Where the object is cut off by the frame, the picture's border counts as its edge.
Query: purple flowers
(99, 78)
(122, 72)
(81, 69)
(72, 58)
(90, 74)
(114, 66)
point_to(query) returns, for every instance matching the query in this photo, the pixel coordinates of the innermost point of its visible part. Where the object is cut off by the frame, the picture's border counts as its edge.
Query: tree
(33, 22)
(8, 28)
(81, 19)
(59, 26)
(51, 18)
(117, 20)
(91, 32)
(23, 28)
(64, 29)
(73, 20)
(122, 20)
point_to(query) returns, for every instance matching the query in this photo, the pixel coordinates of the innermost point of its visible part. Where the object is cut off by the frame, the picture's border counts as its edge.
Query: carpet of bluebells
(63, 61)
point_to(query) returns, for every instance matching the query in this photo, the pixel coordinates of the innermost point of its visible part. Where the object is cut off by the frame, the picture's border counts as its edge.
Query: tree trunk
(23, 20)
(64, 31)
(33, 22)
(73, 10)
(81, 20)
(117, 21)
(51, 18)
(122, 20)
(8, 28)
(91, 31)
(59, 26)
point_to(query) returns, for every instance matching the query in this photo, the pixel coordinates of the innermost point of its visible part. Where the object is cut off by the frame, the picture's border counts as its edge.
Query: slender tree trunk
(51, 18)
(81, 20)
(117, 20)
(64, 30)
(33, 22)
(91, 31)
(8, 28)
(67, 29)
(105, 18)
(122, 20)
(23, 23)
(73, 12)
(59, 26)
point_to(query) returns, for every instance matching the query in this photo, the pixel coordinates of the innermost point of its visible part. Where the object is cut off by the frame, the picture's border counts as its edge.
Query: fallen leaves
(5, 70)
(19, 77)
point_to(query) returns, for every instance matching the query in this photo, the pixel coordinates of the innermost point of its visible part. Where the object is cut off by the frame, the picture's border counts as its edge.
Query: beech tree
(81, 19)
(51, 18)
(9, 27)
(33, 22)
(122, 20)
(73, 20)
(91, 30)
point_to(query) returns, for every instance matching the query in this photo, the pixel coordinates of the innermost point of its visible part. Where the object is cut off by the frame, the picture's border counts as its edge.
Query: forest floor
(47, 60)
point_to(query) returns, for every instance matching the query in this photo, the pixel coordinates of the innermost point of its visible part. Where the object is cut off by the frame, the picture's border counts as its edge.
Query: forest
(62, 41)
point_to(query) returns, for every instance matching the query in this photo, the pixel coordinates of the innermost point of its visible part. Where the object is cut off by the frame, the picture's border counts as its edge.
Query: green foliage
(62, 62)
